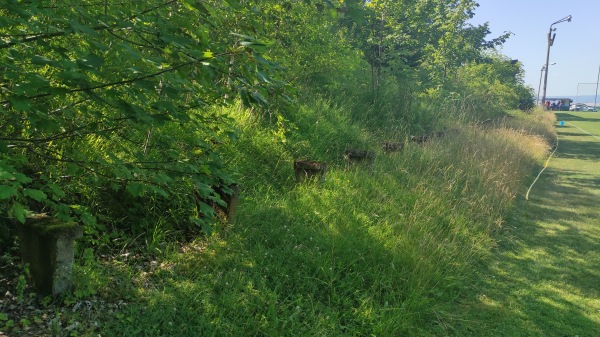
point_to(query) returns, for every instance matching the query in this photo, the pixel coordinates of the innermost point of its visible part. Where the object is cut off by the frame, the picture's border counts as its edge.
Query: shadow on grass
(570, 134)
(571, 149)
(569, 117)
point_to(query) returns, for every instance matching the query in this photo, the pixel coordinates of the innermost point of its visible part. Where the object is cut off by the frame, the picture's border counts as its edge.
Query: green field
(543, 278)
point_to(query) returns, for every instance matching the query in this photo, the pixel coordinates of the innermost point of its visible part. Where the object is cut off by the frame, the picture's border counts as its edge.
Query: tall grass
(372, 251)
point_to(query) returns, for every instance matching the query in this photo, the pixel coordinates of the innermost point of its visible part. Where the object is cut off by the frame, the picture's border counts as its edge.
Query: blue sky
(576, 49)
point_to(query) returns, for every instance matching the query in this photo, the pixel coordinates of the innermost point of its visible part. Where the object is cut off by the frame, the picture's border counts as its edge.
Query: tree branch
(128, 81)
(62, 135)
(31, 38)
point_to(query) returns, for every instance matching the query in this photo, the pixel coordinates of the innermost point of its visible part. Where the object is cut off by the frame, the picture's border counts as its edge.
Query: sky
(576, 48)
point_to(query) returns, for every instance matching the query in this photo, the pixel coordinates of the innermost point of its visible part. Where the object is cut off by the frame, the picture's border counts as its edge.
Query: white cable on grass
(582, 130)
(545, 165)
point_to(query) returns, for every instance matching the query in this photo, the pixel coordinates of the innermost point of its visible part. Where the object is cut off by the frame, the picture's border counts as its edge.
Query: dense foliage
(105, 108)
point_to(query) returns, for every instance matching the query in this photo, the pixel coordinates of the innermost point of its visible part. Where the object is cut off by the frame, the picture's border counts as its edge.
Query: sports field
(543, 279)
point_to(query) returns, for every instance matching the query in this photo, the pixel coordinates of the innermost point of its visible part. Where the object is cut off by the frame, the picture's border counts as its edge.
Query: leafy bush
(105, 111)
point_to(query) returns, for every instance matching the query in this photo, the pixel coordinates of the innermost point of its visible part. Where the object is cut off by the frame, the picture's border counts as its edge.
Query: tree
(104, 101)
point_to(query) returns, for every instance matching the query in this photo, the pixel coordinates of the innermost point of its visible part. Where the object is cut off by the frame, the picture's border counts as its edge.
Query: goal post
(587, 93)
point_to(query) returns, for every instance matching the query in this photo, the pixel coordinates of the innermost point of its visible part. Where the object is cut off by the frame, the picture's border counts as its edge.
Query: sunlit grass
(387, 250)
(383, 250)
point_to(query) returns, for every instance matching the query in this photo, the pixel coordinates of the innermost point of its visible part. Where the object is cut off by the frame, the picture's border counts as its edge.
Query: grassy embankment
(543, 278)
(382, 251)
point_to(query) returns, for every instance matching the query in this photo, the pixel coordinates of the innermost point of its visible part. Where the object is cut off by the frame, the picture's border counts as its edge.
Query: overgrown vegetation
(133, 118)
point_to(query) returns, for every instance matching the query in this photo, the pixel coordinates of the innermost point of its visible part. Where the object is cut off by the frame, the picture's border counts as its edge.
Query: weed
(22, 283)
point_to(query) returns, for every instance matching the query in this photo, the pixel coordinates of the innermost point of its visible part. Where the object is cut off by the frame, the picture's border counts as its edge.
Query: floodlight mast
(550, 43)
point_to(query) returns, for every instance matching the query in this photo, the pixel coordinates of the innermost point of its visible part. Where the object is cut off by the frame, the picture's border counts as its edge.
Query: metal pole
(597, 80)
(540, 85)
(578, 84)
(550, 43)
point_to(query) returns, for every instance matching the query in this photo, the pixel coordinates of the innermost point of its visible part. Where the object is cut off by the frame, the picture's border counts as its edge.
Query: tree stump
(392, 146)
(306, 170)
(420, 139)
(47, 246)
(427, 137)
(353, 156)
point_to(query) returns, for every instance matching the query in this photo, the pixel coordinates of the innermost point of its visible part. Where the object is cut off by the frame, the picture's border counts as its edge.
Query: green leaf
(58, 91)
(207, 228)
(172, 92)
(36, 81)
(36, 195)
(256, 45)
(44, 123)
(18, 212)
(263, 77)
(72, 77)
(357, 14)
(91, 61)
(99, 46)
(145, 84)
(21, 178)
(258, 98)
(7, 191)
(159, 191)
(329, 3)
(245, 97)
(269, 64)
(333, 13)
(88, 219)
(205, 209)
(5, 175)
(136, 189)
(203, 190)
(20, 103)
(57, 191)
(202, 223)
(79, 28)
(42, 61)
(162, 178)
(166, 106)
(233, 4)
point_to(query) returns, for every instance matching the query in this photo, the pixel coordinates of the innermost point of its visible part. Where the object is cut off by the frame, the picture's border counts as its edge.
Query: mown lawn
(542, 279)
